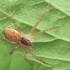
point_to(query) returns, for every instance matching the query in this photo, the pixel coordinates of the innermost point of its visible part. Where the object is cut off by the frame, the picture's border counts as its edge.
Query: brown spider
(25, 40)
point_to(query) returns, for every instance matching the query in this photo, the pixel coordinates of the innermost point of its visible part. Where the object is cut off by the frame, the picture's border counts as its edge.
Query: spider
(25, 40)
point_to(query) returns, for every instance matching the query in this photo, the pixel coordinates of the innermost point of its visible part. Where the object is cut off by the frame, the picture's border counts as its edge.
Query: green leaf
(52, 46)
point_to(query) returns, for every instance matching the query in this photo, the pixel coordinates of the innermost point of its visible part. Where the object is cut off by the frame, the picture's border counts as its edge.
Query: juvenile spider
(25, 40)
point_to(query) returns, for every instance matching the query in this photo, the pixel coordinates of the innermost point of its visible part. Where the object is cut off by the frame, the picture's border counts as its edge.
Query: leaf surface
(52, 46)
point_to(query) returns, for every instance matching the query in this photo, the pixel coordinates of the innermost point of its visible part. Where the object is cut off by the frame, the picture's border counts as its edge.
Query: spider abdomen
(13, 34)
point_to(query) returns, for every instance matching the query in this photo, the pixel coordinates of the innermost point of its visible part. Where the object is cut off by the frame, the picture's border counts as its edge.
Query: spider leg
(16, 27)
(7, 39)
(42, 16)
(26, 58)
(14, 49)
(40, 32)
(38, 58)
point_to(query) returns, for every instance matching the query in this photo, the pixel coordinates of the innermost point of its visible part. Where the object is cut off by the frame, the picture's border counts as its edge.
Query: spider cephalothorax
(26, 41)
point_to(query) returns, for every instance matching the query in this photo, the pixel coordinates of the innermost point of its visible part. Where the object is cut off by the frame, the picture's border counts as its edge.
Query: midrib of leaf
(52, 58)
